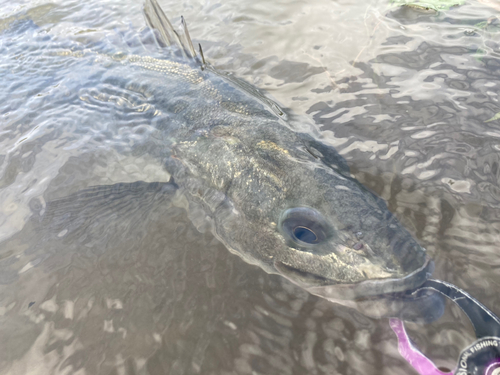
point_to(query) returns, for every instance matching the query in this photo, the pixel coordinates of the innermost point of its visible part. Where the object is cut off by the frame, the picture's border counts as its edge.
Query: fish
(281, 199)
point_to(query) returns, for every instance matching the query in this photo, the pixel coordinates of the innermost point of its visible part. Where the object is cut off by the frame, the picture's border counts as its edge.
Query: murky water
(133, 286)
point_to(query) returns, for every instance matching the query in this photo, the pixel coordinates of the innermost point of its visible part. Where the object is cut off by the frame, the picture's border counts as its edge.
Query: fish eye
(304, 226)
(305, 234)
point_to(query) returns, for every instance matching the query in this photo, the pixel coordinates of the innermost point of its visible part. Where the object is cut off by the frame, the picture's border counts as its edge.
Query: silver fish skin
(284, 201)
(280, 199)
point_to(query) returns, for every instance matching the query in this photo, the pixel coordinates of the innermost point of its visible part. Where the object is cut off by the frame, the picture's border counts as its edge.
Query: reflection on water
(127, 284)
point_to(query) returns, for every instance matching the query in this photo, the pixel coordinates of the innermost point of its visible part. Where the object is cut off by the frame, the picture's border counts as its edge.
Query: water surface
(140, 286)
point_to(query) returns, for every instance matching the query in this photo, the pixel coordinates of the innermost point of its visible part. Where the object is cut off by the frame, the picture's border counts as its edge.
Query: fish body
(280, 199)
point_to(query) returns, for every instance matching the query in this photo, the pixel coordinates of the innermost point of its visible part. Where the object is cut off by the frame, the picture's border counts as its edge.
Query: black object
(485, 323)
(483, 356)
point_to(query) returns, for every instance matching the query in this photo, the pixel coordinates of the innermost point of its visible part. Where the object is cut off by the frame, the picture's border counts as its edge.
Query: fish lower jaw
(372, 287)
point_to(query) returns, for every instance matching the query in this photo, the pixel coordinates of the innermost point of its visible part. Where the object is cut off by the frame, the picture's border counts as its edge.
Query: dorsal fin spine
(202, 56)
(157, 20)
(188, 43)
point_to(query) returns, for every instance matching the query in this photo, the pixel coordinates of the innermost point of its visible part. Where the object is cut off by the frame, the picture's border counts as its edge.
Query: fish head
(288, 204)
(280, 199)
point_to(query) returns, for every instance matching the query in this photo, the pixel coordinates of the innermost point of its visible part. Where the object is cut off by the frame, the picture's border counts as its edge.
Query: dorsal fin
(157, 20)
(166, 36)
(186, 38)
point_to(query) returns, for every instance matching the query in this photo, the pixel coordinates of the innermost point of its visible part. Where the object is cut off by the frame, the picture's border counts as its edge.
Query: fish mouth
(364, 289)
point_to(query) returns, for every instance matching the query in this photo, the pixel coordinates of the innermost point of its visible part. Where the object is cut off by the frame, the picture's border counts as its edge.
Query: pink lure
(413, 356)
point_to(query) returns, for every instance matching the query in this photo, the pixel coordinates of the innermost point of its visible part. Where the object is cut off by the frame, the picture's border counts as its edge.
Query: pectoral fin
(102, 206)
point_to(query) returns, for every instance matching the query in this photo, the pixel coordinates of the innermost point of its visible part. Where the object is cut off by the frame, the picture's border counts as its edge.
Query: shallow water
(404, 95)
